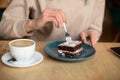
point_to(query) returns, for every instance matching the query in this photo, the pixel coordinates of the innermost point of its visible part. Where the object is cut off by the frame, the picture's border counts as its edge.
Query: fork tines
(68, 38)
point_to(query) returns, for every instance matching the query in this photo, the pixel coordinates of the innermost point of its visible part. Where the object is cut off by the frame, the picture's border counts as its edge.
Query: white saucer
(37, 58)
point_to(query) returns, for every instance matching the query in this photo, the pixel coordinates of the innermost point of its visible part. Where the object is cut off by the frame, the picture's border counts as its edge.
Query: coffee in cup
(22, 43)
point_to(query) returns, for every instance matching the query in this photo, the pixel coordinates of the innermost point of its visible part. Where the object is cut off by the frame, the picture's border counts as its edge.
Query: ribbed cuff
(20, 29)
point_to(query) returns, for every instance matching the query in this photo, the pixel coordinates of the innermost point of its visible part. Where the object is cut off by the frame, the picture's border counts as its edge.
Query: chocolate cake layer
(70, 48)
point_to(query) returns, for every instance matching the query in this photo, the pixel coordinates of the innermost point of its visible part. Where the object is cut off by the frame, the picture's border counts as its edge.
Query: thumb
(94, 38)
(83, 36)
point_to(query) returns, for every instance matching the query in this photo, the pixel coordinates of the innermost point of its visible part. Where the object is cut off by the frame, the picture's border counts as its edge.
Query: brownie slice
(70, 49)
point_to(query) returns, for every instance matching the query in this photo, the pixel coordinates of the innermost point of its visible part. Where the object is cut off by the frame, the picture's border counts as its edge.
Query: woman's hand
(89, 37)
(55, 16)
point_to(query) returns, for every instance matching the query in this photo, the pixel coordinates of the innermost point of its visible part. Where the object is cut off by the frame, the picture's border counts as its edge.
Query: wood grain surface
(104, 65)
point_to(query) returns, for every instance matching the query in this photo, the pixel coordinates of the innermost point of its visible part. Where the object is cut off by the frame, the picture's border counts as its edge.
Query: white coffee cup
(22, 49)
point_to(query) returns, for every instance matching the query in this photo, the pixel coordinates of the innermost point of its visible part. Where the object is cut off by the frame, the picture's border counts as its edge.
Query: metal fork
(67, 35)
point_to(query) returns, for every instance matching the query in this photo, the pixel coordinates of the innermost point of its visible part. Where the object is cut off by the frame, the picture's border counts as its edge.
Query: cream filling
(77, 51)
(70, 43)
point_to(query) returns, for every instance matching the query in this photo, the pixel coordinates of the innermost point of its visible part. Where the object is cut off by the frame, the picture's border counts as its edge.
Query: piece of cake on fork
(70, 48)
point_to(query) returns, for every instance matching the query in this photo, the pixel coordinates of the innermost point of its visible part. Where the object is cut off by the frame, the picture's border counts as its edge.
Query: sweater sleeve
(14, 19)
(97, 16)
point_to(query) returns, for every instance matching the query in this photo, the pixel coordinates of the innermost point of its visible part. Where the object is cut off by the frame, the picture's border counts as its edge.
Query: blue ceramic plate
(51, 50)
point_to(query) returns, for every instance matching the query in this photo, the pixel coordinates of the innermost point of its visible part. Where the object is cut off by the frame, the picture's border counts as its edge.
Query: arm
(13, 20)
(97, 16)
(95, 28)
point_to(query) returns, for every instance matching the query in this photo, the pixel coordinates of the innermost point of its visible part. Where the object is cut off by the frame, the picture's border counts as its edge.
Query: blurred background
(111, 23)
(3, 5)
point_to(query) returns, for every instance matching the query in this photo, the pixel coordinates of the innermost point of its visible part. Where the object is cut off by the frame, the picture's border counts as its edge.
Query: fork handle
(64, 25)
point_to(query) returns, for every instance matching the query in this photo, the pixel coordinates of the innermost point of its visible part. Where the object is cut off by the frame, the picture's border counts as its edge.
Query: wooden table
(104, 65)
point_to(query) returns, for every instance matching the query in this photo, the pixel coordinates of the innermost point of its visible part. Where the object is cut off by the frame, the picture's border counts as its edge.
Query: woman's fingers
(83, 36)
(55, 15)
(62, 14)
(94, 37)
(89, 37)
